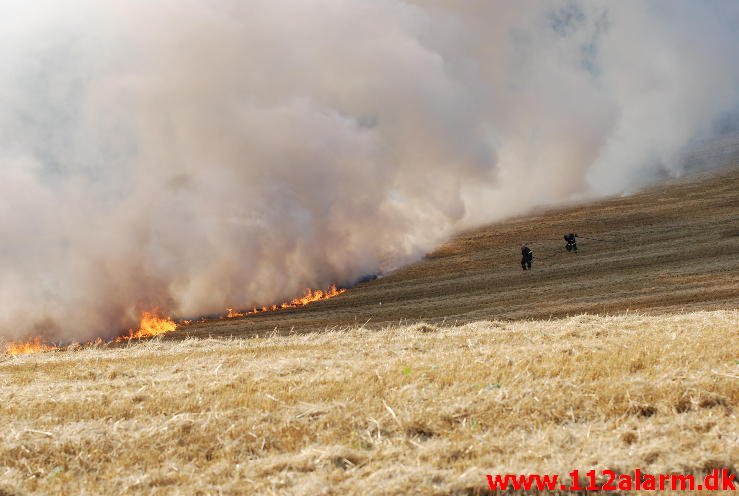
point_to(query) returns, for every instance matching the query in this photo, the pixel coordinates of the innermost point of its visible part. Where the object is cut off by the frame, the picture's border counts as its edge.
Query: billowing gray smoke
(195, 155)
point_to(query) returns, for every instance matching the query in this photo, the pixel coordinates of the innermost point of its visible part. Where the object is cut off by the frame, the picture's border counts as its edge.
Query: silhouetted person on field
(571, 242)
(527, 256)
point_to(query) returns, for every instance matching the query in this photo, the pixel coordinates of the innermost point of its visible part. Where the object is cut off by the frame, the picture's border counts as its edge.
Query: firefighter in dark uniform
(527, 256)
(571, 242)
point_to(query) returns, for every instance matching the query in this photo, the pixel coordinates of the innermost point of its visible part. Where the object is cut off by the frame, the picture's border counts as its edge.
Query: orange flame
(151, 325)
(311, 295)
(33, 346)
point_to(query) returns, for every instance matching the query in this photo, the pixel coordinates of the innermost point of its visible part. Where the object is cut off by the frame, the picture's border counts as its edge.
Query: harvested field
(417, 409)
(671, 248)
(425, 381)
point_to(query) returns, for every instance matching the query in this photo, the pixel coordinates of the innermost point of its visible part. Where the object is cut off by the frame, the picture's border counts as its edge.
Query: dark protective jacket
(570, 238)
(527, 254)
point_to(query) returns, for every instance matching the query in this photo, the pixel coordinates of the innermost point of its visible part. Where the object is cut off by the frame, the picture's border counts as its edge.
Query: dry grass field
(622, 356)
(671, 248)
(419, 409)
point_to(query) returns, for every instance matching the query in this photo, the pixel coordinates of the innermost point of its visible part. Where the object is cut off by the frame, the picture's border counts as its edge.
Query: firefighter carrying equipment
(527, 256)
(571, 242)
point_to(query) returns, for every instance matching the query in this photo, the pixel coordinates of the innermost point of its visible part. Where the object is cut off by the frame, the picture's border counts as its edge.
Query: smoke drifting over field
(198, 155)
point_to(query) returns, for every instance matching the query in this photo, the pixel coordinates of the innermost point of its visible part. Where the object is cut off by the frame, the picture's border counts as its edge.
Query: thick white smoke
(202, 154)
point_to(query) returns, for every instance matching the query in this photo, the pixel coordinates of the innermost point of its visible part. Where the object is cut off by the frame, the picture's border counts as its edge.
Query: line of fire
(154, 324)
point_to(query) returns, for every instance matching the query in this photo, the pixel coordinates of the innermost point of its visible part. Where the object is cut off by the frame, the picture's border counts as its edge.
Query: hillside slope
(670, 248)
(420, 408)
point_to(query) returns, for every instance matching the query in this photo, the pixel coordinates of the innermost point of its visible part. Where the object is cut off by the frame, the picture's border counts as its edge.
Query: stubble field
(670, 248)
(403, 410)
(623, 356)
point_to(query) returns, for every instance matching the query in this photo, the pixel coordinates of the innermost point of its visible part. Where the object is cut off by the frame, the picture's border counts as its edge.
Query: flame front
(33, 346)
(311, 295)
(151, 325)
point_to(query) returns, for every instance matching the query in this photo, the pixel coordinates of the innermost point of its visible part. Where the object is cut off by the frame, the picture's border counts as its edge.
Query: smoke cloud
(194, 155)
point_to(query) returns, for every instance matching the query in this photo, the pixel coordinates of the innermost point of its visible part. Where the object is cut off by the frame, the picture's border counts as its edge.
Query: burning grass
(33, 346)
(151, 325)
(404, 410)
(154, 324)
(310, 296)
